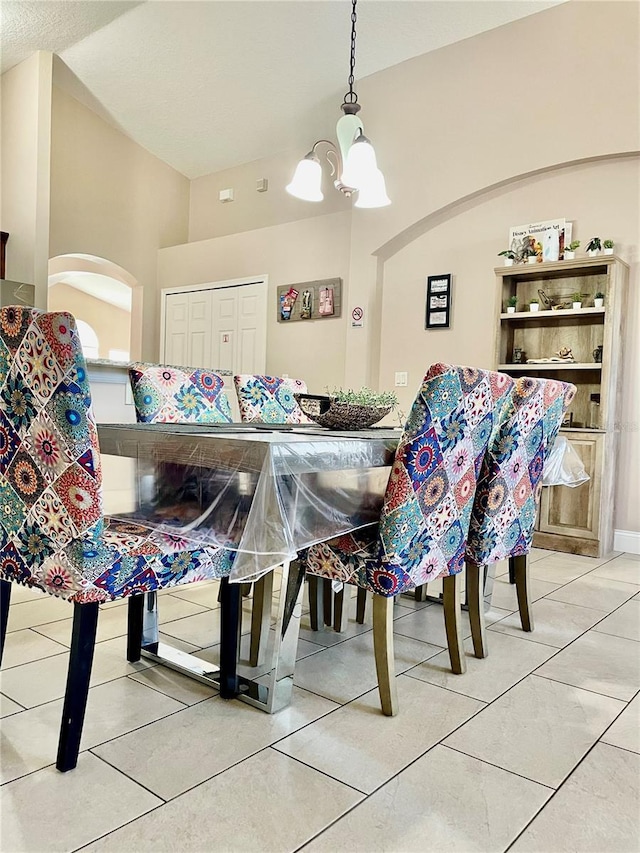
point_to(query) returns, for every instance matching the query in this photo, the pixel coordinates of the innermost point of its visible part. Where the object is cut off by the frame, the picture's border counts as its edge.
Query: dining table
(264, 492)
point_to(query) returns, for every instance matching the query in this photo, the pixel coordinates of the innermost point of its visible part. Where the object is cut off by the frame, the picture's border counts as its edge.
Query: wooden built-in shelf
(553, 365)
(547, 313)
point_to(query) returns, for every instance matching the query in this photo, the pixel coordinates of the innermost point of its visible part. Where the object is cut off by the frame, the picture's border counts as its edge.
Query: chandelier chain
(351, 97)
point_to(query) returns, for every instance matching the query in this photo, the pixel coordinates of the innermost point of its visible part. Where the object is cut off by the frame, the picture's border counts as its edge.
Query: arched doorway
(102, 295)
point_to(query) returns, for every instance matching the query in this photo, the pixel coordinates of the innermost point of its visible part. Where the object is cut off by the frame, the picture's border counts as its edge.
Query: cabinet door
(576, 512)
(199, 352)
(176, 337)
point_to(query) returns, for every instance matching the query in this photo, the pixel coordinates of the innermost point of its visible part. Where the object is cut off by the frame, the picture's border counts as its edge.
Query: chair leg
(340, 607)
(5, 600)
(475, 600)
(260, 618)
(521, 572)
(229, 640)
(383, 650)
(512, 570)
(452, 622)
(135, 615)
(83, 639)
(361, 606)
(316, 605)
(327, 601)
(420, 592)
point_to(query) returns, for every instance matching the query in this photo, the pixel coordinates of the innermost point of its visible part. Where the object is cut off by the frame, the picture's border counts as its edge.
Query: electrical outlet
(401, 379)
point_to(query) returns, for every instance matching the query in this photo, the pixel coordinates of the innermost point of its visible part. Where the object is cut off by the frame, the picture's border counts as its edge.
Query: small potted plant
(570, 250)
(512, 302)
(608, 247)
(534, 305)
(509, 257)
(529, 254)
(593, 247)
(577, 301)
(598, 300)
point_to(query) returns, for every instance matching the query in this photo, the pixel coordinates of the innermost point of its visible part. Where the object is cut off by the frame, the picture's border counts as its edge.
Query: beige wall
(298, 251)
(111, 198)
(25, 142)
(112, 325)
(471, 138)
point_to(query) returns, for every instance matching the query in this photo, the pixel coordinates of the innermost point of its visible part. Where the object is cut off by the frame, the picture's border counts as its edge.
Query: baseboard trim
(626, 540)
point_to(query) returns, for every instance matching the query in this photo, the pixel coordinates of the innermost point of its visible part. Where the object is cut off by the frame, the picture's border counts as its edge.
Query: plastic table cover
(263, 493)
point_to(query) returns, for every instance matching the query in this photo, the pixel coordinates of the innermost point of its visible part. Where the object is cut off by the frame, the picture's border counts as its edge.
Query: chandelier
(354, 161)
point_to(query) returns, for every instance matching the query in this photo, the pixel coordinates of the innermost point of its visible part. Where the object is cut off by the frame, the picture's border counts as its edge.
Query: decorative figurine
(597, 354)
(518, 356)
(305, 310)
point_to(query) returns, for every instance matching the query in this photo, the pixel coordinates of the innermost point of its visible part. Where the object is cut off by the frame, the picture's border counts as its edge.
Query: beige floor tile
(343, 672)
(510, 659)
(112, 621)
(555, 623)
(625, 622)
(8, 706)
(201, 630)
(38, 612)
(428, 625)
(445, 801)
(327, 636)
(597, 593)
(204, 594)
(596, 810)
(540, 553)
(562, 568)
(76, 807)
(30, 739)
(175, 754)
(625, 732)
(361, 747)
(20, 593)
(625, 568)
(27, 645)
(511, 731)
(598, 662)
(295, 803)
(174, 684)
(504, 596)
(45, 680)
(212, 654)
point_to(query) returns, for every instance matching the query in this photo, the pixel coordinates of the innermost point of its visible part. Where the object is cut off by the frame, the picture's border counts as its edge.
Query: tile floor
(536, 748)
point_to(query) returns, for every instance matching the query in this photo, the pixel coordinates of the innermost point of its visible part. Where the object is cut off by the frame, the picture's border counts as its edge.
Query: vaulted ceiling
(208, 84)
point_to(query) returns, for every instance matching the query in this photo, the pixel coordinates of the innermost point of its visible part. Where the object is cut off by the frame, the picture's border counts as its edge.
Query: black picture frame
(438, 309)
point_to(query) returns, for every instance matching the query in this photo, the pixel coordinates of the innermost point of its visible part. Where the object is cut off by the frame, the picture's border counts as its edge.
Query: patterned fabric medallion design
(269, 399)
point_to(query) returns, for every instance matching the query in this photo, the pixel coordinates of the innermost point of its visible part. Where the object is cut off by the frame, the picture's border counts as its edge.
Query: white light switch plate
(401, 378)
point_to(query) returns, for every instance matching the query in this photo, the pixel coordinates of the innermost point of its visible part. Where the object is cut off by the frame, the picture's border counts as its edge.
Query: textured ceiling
(210, 85)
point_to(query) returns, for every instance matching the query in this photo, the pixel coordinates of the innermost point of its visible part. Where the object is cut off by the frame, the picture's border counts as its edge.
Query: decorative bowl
(329, 413)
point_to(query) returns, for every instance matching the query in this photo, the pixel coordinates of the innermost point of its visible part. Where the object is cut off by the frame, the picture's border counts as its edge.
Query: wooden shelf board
(553, 365)
(548, 314)
(534, 271)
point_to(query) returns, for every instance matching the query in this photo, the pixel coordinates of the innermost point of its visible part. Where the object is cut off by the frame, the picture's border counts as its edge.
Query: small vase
(533, 306)
(532, 259)
(592, 253)
(569, 256)
(608, 251)
(577, 306)
(508, 262)
(598, 303)
(511, 309)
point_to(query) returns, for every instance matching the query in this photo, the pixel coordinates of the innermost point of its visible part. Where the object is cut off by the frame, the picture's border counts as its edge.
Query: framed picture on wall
(438, 312)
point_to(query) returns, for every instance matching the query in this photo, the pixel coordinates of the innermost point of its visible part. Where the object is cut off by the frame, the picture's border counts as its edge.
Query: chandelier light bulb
(361, 164)
(307, 180)
(374, 192)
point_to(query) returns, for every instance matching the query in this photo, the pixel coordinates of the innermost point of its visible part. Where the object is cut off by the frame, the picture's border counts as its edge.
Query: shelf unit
(576, 520)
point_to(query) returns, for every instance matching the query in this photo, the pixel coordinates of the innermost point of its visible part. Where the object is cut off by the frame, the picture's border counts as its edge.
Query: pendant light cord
(351, 97)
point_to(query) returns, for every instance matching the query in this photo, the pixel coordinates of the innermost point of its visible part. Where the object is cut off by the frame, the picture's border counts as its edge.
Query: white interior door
(221, 327)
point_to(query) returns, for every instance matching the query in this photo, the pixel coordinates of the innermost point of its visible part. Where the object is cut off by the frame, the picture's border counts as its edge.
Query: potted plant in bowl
(529, 255)
(608, 247)
(512, 302)
(577, 300)
(598, 300)
(570, 250)
(340, 409)
(534, 305)
(593, 247)
(509, 257)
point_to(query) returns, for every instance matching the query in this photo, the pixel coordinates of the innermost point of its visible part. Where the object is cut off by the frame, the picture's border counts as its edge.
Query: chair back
(165, 394)
(429, 497)
(50, 476)
(510, 481)
(269, 399)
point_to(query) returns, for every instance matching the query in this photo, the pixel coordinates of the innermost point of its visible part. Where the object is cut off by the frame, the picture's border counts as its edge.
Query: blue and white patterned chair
(165, 394)
(269, 399)
(53, 533)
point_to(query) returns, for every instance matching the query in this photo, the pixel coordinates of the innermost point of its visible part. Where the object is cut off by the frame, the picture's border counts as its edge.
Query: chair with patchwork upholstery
(508, 494)
(165, 394)
(426, 512)
(53, 534)
(269, 399)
